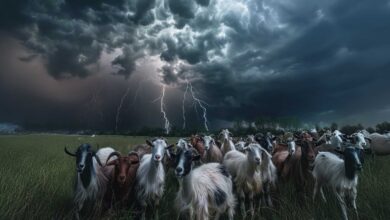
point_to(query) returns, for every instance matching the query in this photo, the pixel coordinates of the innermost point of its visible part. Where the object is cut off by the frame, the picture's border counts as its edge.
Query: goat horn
(71, 154)
(133, 153)
(115, 153)
(97, 159)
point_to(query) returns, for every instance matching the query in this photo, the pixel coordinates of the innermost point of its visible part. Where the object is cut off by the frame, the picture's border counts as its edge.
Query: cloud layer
(312, 59)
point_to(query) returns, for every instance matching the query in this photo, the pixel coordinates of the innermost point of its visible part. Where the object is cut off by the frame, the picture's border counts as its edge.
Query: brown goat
(212, 152)
(122, 178)
(296, 167)
(197, 143)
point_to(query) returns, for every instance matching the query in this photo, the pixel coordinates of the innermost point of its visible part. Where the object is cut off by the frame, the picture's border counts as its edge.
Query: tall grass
(37, 178)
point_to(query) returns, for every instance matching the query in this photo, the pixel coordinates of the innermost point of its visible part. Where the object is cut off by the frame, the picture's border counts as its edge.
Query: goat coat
(246, 175)
(150, 180)
(205, 189)
(97, 186)
(380, 144)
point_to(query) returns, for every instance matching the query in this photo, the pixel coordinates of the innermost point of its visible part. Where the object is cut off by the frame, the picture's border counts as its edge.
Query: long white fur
(245, 172)
(99, 180)
(329, 170)
(197, 190)
(151, 177)
(150, 180)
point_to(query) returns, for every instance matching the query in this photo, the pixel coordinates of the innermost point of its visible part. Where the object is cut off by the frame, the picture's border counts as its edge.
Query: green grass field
(36, 182)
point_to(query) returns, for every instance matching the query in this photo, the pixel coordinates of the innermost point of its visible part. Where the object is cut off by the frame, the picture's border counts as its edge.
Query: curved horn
(97, 159)
(115, 153)
(133, 153)
(69, 153)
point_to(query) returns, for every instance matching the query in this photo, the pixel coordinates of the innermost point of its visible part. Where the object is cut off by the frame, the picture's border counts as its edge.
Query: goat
(244, 169)
(339, 174)
(198, 144)
(268, 176)
(204, 189)
(296, 167)
(250, 138)
(91, 181)
(151, 176)
(212, 152)
(122, 178)
(240, 145)
(182, 143)
(226, 141)
(266, 141)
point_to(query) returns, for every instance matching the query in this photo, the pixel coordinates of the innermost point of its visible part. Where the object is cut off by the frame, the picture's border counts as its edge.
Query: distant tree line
(276, 125)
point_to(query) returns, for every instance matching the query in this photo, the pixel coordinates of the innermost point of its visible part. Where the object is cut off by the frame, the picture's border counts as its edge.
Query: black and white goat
(203, 190)
(91, 181)
(339, 174)
(151, 176)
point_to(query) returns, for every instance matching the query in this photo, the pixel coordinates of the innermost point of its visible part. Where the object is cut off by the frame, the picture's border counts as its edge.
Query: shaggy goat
(151, 176)
(205, 189)
(339, 174)
(244, 169)
(91, 181)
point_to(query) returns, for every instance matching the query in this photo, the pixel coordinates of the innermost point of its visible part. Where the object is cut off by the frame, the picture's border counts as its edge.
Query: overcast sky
(69, 63)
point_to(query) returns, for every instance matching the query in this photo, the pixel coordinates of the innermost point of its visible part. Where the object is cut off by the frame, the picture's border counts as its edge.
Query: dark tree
(383, 127)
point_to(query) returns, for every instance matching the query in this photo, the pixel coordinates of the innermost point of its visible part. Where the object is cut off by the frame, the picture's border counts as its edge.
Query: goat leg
(340, 196)
(156, 205)
(242, 203)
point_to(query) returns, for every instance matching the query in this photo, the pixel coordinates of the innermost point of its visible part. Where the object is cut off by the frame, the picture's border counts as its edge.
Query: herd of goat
(217, 174)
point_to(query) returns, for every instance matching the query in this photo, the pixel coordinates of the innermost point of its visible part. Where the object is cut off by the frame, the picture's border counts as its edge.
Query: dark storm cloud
(247, 58)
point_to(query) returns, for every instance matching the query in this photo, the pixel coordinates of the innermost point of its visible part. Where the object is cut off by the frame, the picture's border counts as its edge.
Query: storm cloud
(317, 60)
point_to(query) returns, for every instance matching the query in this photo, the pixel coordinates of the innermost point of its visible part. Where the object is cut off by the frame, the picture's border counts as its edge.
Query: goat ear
(196, 158)
(149, 143)
(368, 139)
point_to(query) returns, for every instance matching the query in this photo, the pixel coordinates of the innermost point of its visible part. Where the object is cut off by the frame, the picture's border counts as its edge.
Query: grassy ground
(36, 182)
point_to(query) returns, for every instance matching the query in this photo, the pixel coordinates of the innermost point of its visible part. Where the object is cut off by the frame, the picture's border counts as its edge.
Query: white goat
(205, 189)
(245, 170)
(91, 182)
(182, 143)
(226, 142)
(339, 174)
(151, 176)
(291, 146)
(335, 140)
(240, 145)
(268, 176)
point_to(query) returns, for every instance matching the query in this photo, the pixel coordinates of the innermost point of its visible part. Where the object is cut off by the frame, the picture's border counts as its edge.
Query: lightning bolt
(167, 124)
(200, 103)
(118, 111)
(183, 107)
